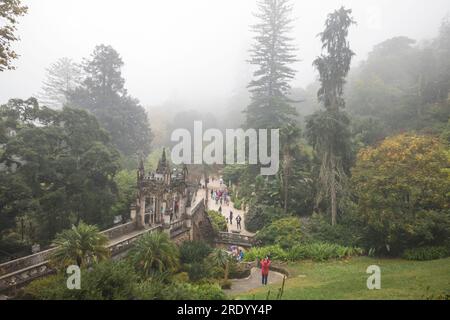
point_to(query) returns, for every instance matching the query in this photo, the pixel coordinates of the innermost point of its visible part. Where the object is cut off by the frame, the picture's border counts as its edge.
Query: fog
(193, 52)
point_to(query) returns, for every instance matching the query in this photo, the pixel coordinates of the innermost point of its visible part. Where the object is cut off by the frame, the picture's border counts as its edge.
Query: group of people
(238, 220)
(221, 196)
(237, 253)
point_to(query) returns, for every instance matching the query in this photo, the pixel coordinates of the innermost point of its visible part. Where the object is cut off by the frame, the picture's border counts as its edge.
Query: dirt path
(215, 185)
(253, 282)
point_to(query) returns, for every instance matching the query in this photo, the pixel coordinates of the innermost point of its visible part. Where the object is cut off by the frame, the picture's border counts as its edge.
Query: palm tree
(222, 259)
(155, 253)
(81, 245)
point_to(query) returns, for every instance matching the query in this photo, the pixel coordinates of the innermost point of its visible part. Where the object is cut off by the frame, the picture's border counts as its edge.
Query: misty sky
(192, 51)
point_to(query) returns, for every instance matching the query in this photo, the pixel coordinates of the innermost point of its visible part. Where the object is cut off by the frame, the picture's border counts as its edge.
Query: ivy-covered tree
(103, 93)
(10, 11)
(273, 55)
(328, 130)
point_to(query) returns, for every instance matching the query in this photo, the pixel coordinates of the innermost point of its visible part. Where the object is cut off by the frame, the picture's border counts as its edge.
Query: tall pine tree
(273, 54)
(103, 93)
(328, 130)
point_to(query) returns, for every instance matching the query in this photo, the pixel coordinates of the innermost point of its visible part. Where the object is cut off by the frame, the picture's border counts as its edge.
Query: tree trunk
(287, 169)
(286, 186)
(226, 271)
(333, 193)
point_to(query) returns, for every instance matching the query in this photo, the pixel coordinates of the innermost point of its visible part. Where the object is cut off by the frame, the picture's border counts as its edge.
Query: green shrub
(426, 253)
(284, 232)
(151, 289)
(318, 251)
(237, 204)
(181, 277)
(274, 252)
(218, 221)
(198, 271)
(49, 288)
(209, 292)
(186, 291)
(233, 173)
(194, 251)
(105, 281)
(260, 216)
(110, 280)
(348, 232)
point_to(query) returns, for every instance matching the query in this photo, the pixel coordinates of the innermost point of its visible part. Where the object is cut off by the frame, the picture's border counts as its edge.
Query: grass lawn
(345, 280)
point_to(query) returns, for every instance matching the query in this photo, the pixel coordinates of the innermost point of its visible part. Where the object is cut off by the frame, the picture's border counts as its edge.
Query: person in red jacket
(265, 267)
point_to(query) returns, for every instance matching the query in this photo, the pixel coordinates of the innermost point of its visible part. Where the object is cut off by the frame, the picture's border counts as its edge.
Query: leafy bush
(260, 216)
(181, 277)
(284, 232)
(198, 271)
(186, 291)
(402, 191)
(309, 251)
(233, 173)
(105, 281)
(274, 252)
(237, 204)
(348, 231)
(426, 253)
(194, 251)
(49, 288)
(321, 252)
(218, 221)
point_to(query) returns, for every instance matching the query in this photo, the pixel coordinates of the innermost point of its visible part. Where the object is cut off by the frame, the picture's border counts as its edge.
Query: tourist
(265, 267)
(231, 217)
(241, 255)
(220, 209)
(238, 221)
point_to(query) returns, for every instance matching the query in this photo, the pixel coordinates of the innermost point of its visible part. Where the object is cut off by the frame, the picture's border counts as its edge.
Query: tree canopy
(273, 54)
(60, 167)
(104, 95)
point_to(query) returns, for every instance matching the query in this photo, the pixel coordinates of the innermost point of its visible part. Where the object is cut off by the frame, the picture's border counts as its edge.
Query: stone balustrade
(235, 239)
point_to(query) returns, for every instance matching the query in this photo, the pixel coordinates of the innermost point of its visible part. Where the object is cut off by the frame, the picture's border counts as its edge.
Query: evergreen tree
(328, 130)
(62, 77)
(103, 93)
(272, 53)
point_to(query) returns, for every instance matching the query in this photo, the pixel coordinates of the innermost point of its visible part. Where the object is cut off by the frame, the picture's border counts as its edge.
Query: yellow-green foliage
(402, 190)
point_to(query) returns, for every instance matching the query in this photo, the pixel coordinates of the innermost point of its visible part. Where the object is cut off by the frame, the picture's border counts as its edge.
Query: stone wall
(182, 237)
(25, 262)
(120, 231)
(201, 224)
(40, 257)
